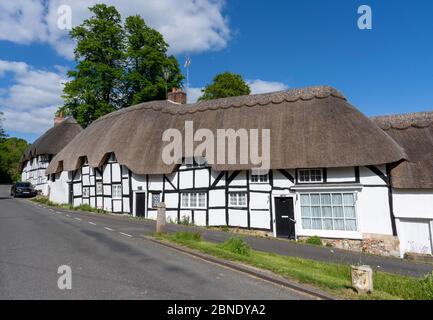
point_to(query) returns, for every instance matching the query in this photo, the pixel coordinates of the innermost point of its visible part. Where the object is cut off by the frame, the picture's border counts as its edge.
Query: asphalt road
(107, 261)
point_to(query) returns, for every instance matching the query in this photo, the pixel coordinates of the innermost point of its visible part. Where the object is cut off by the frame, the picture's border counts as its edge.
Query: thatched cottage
(412, 179)
(331, 168)
(38, 155)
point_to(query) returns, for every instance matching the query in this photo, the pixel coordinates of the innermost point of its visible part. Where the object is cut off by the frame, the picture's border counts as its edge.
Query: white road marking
(125, 234)
(109, 229)
(77, 219)
(68, 215)
(92, 223)
(51, 209)
(59, 212)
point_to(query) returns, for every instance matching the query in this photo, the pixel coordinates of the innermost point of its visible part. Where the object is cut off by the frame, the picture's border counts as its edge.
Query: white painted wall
(413, 210)
(409, 203)
(372, 205)
(59, 189)
(34, 172)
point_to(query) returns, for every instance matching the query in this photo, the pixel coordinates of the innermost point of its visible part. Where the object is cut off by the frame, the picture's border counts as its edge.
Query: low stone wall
(384, 245)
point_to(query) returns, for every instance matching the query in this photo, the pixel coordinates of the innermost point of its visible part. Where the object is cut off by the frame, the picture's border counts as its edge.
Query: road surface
(107, 262)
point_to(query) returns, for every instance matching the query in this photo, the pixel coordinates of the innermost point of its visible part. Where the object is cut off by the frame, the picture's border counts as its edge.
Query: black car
(23, 189)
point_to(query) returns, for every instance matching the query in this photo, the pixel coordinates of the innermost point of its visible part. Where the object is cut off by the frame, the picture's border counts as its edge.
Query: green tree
(147, 63)
(116, 65)
(94, 88)
(225, 85)
(11, 150)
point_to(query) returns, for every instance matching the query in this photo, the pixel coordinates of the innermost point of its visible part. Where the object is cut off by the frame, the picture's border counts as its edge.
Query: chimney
(58, 118)
(177, 96)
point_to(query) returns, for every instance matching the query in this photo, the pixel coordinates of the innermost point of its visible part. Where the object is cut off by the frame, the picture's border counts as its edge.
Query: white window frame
(236, 196)
(310, 175)
(113, 187)
(86, 192)
(342, 205)
(99, 183)
(259, 178)
(188, 196)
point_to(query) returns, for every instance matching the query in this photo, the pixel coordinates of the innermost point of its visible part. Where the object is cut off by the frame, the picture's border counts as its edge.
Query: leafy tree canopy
(11, 150)
(117, 65)
(225, 85)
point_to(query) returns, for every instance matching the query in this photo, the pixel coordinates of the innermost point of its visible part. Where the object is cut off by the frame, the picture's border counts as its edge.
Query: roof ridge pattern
(405, 121)
(291, 95)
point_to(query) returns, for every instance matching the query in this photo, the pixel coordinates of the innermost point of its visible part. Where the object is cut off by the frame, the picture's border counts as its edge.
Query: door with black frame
(140, 204)
(285, 217)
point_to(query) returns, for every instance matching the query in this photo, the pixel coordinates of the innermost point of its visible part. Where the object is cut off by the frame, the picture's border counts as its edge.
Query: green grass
(237, 246)
(314, 241)
(333, 278)
(82, 207)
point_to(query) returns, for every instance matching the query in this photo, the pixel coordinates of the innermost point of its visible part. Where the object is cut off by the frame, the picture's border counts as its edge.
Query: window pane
(306, 223)
(305, 199)
(193, 200)
(338, 212)
(233, 201)
(348, 199)
(317, 224)
(155, 199)
(315, 199)
(351, 225)
(349, 212)
(339, 224)
(184, 200)
(202, 200)
(327, 212)
(315, 212)
(242, 199)
(327, 224)
(337, 199)
(326, 199)
(306, 212)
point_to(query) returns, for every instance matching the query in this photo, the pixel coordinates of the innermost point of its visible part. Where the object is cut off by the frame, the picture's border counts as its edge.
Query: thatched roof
(53, 140)
(414, 132)
(310, 127)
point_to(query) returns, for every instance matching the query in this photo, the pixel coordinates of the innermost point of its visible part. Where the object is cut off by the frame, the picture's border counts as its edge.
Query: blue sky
(272, 44)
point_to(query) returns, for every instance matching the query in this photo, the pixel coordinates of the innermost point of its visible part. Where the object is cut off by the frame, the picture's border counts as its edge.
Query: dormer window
(259, 178)
(310, 175)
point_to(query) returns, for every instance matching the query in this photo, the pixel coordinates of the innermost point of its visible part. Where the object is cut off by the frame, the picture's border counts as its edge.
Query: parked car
(23, 189)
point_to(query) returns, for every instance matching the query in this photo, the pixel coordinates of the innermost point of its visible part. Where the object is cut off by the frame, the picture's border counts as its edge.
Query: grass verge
(83, 207)
(333, 278)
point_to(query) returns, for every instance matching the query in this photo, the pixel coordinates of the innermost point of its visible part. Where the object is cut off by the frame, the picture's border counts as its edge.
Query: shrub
(84, 207)
(314, 241)
(185, 221)
(187, 236)
(237, 245)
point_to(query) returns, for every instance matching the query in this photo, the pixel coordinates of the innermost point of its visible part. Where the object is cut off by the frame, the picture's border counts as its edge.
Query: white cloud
(261, 86)
(187, 25)
(30, 102)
